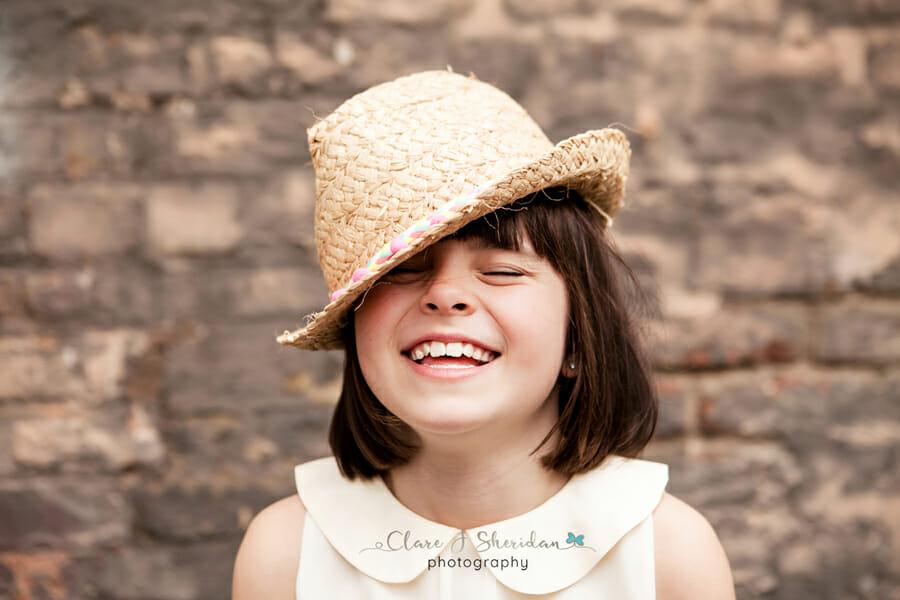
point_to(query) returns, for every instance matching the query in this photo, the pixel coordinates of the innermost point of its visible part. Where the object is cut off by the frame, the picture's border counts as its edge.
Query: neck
(466, 485)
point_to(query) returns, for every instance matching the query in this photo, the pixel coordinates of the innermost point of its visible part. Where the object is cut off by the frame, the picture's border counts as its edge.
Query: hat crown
(395, 153)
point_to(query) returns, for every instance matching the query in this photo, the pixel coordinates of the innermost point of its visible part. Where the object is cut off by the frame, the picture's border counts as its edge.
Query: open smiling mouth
(449, 355)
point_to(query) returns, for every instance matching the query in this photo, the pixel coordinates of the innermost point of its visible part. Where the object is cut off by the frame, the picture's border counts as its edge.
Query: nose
(447, 295)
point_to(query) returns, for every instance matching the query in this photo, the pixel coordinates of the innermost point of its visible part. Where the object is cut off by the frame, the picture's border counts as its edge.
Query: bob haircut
(608, 406)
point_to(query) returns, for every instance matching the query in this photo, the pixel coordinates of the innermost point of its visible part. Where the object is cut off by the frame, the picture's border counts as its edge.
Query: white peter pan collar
(385, 540)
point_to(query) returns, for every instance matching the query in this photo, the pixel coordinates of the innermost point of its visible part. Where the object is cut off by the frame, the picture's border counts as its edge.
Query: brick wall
(155, 235)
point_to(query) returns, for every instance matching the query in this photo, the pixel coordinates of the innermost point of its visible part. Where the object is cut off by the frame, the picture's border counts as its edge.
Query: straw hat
(408, 162)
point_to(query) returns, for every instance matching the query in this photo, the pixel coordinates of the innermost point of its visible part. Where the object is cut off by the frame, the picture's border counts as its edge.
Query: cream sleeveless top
(592, 539)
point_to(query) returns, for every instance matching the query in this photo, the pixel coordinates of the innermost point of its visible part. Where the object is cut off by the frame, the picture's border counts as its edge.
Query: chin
(448, 420)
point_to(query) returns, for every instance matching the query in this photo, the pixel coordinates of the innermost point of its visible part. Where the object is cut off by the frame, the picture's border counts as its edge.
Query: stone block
(677, 406)
(12, 223)
(79, 512)
(490, 20)
(7, 464)
(87, 220)
(648, 10)
(239, 60)
(763, 245)
(35, 367)
(282, 213)
(857, 12)
(105, 295)
(211, 565)
(851, 50)
(509, 65)
(887, 280)
(715, 476)
(57, 293)
(399, 12)
(200, 70)
(137, 572)
(135, 79)
(13, 312)
(783, 495)
(309, 64)
(863, 241)
(753, 59)
(193, 220)
(598, 29)
(745, 12)
(541, 8)
(732, 336)
(837, 412)
(106, 356)
(244, 138)
(263, 292)
(860, 330)
(111, 441)
(36, 574)
(252, 370)
(298, 435)
(190, 515)
(885, 66)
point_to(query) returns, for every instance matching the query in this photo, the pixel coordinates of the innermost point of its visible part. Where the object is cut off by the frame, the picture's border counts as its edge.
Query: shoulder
(267, 561)
(690, 561)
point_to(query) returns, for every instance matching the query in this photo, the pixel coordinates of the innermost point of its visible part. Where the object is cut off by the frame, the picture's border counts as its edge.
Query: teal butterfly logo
(573, 539)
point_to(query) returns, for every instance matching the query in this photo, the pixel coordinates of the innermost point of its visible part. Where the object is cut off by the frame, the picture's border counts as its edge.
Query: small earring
(572, 365)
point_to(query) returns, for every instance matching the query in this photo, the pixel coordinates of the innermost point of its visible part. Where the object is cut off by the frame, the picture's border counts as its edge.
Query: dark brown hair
(608, 407)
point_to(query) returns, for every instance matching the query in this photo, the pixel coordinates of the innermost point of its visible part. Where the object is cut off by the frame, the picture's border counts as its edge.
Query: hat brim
(594, 163)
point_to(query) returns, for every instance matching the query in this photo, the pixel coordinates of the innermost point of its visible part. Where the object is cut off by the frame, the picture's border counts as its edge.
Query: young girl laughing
(495, 397)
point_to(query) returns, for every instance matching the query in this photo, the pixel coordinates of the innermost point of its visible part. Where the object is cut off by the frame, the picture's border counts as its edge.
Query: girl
(494, 395)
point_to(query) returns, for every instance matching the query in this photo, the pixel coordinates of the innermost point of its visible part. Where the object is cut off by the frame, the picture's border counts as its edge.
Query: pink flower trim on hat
(415, 231)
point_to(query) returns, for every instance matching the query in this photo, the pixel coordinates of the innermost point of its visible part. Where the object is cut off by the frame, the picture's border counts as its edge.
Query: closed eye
(404, 274)
(504, 273)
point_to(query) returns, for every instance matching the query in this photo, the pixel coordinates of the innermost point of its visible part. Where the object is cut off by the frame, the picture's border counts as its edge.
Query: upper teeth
(452, 349)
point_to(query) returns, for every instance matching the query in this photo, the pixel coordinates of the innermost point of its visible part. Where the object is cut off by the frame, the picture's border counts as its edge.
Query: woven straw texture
(398, 152)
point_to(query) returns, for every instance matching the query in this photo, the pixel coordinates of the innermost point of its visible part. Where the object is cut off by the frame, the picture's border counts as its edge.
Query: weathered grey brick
(540, 9)
(309, 64)
(73, 222)
(240, 60)
(193, 514)
(111, 441)
(13, 314)
(775, 245)
(403, 12)
(860, 331)
(677, 402)
(193, 219)
(133, 573)
(12, 224)
(745, 12)
(106, 295)
(649, 11)
(35, 366)
(244, 137)
(732, 336)
(211, 566)
(886, 66)
(252, 370)
(247, 293)
(65, 511)
(282, 213)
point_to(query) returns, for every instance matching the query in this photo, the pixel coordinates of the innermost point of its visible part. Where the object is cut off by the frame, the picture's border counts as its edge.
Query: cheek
(375, 322)
(540, 327)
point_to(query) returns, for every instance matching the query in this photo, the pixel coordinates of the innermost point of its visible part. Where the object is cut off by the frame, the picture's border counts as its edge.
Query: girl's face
(466, 337)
